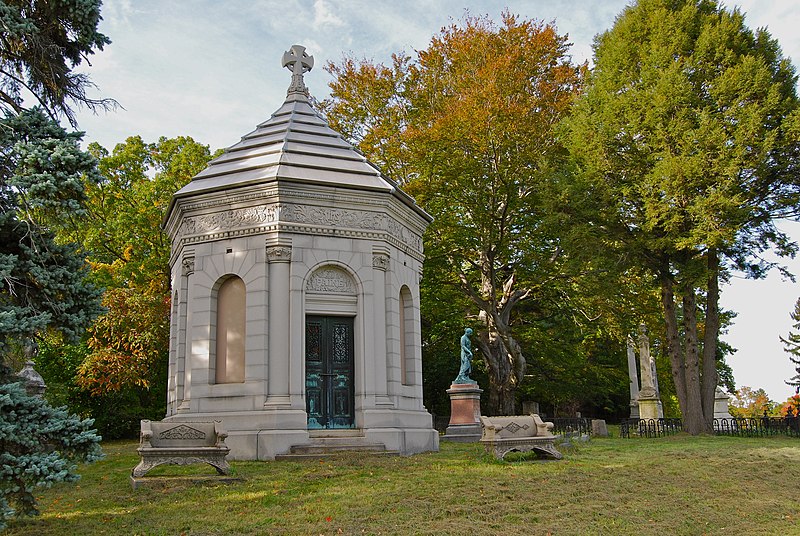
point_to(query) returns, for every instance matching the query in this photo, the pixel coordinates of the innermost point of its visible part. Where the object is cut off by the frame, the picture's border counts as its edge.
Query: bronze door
(329, 372)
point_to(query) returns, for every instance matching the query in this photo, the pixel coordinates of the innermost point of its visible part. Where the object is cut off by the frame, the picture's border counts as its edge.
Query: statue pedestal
(465, 413)
(649, 408)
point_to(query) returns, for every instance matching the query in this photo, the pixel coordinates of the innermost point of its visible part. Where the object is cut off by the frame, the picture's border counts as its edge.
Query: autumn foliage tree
(750, 403)
(129, 255)
(467, 126)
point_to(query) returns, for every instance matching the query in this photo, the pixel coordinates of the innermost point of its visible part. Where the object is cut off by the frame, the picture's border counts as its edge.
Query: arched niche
(406, 336)
(230, 324)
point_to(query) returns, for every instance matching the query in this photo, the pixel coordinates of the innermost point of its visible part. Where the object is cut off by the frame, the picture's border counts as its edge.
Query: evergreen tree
(791, 345)
(39, 446)
(42, 288)
(687, 142)
(42, 41)
(42, 281)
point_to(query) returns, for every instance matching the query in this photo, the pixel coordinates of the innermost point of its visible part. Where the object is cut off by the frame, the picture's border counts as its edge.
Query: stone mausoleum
(295, 274)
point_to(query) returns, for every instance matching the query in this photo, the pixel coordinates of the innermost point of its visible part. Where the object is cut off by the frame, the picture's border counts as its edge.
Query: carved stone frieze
(279, 253)
(331, 280)
(333, 217)
(230, 219)
(340, 219)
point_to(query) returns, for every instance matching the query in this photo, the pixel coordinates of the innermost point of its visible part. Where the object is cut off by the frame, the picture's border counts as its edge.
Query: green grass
(675, 485)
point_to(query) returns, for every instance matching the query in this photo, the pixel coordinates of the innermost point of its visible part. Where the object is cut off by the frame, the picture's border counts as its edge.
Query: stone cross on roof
(299, 63)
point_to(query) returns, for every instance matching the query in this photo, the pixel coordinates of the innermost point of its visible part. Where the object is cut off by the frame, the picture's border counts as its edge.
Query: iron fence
(569, 426)
(755, 427)
(649, 427)
(758, 427)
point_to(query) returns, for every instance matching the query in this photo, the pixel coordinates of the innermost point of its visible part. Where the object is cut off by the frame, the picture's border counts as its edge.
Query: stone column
(648, 397)
(172, 366)
(380, 265)
(634, 378)
(279, 258)
(183, 366)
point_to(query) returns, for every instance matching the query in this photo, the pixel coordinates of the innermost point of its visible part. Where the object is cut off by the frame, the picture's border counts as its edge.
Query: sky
(211, 70)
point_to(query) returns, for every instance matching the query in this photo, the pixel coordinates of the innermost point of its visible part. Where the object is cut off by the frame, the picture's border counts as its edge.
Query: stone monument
(721, 401)
(633, 376)
(295, 277)
(465, 399)
(649, 403)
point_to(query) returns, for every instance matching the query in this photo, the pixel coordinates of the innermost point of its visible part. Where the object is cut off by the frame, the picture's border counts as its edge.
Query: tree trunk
(503, 377)
(673, 339)
(711, 339)
(693, 418)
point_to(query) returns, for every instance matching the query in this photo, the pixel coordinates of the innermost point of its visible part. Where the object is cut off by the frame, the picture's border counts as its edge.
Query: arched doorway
(331, 305)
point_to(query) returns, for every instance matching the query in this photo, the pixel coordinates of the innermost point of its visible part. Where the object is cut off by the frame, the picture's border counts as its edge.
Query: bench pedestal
(181, 443)
(520, 433)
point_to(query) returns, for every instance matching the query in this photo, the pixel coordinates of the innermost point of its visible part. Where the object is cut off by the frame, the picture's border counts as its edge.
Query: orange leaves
(791, 408)
(127, 342)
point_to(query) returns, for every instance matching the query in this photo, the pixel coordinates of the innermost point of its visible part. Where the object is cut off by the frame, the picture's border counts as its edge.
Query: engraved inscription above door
(329, 372)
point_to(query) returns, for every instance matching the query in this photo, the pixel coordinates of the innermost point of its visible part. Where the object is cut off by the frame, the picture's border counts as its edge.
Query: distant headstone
(633, 376)
(721, 401)
(599, 428)
(530, 407)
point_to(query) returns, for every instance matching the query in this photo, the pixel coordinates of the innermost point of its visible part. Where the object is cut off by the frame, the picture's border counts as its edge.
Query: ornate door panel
(329, 372)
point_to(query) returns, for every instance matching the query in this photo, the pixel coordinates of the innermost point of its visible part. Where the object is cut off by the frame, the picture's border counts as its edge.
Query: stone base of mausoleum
(263, 435)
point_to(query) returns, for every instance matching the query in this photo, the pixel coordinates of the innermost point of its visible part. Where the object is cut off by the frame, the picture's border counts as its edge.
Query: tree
(750, 404)
(791, 345)
(42, 282)
(40, 44)
(39, 446)
(470, 126)
(43, 288)
(687, 140)
(129, 253)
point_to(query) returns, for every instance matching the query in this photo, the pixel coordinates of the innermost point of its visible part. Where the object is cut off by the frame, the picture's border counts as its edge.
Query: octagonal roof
(294, 145)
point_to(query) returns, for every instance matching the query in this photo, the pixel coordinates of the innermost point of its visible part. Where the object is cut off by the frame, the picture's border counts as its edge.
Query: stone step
(341, 432)
(336, 442)
(341, 447)
(333, 454)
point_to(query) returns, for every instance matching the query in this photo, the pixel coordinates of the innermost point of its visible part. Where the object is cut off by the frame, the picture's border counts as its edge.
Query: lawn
(675, 485)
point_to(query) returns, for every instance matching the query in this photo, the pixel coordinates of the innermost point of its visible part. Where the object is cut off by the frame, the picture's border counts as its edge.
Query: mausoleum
(295, 274)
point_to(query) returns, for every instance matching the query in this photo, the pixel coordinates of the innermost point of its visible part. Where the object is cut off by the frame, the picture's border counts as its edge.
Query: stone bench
(182, 443)
(521, 433)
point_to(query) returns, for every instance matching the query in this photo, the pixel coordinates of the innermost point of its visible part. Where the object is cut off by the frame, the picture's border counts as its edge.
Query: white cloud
(324, 16)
